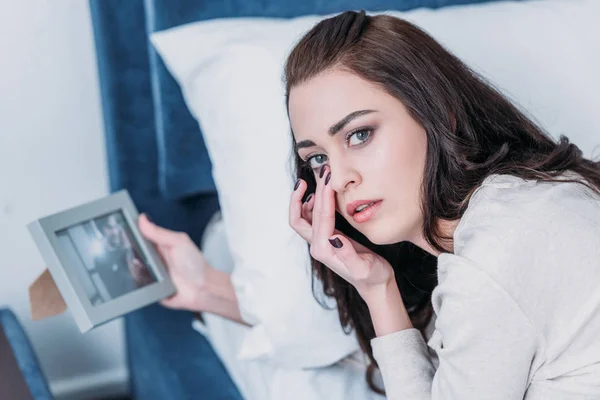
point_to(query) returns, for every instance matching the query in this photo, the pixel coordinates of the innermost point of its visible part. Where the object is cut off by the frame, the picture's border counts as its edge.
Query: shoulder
(524, 234)
(530, 248)
(509, 210)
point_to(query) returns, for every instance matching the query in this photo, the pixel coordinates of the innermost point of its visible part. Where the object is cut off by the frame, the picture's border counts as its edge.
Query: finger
(295, 212)
(328, 205)
(170, 302)
(343, 258)
(307, 208)
(326, 208)
(357, 246)
(164, 254)
(321, 249)
(316, 212)
(158, 234)
(349, 260)
(297, 221)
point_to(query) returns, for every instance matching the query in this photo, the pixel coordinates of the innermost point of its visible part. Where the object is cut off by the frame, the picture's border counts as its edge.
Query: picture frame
(100, 262)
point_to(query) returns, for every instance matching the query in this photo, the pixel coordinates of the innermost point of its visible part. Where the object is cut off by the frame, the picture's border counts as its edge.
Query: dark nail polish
(308, 198)
(297, 184)
(328, 178)
(337, 243)
(322, 171)
(148, 216)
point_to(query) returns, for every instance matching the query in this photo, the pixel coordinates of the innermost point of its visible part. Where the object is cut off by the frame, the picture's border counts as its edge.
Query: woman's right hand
(367, 271)
(185, 264)
(301, 216)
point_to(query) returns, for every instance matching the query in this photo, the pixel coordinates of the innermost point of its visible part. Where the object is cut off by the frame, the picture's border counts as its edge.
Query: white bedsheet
(262, 380)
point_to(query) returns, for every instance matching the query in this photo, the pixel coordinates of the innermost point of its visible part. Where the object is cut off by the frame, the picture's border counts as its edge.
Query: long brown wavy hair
(472, 131)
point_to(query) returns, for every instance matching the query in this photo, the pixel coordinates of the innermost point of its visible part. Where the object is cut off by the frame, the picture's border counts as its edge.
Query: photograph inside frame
(107, 258)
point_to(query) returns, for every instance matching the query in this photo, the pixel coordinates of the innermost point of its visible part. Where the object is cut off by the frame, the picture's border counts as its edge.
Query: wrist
(216, 295)
(387, 309)
(374, 295)
(206, 290)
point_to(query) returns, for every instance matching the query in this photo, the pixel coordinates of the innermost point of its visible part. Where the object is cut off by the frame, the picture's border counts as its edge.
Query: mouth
(363, 210)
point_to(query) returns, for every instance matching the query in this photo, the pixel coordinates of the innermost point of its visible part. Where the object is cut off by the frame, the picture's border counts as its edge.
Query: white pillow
(543, 54)
(238, 98)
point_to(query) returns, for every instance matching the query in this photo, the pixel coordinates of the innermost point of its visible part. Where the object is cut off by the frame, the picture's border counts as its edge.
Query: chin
(381, 235)
(383, 241)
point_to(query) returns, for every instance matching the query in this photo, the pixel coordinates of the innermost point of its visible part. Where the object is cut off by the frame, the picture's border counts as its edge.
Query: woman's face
(375, 149)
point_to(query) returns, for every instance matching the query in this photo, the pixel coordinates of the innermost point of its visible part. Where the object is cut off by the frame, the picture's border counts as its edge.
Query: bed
(157, 151)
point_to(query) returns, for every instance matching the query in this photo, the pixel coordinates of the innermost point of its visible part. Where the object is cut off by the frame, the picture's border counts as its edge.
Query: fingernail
(328, 178)
(322, 171)
(148, 216)
(297, 184)
(308, 198)
(337, 243)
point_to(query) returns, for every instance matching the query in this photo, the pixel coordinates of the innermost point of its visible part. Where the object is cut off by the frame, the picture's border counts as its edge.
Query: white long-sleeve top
(517, 306)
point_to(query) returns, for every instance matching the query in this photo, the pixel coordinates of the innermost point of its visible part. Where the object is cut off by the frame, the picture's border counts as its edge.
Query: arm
(200, 287)
(487, 346)
(387, 310)
(218, 296)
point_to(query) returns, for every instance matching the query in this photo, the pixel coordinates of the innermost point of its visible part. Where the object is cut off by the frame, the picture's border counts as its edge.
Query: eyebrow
(335, 128)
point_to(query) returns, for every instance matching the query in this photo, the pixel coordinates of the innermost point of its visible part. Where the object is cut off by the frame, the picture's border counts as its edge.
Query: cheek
(395, 165)
(402, 155)
(385, 159)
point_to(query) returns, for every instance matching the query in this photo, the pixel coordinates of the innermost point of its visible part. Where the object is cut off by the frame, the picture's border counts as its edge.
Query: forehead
(323, 100)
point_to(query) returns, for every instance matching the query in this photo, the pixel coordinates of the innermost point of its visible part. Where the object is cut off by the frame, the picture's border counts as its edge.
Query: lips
(351, 207)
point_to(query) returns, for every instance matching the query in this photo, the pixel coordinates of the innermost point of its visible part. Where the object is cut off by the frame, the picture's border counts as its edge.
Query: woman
(401, 143)
(422, 191)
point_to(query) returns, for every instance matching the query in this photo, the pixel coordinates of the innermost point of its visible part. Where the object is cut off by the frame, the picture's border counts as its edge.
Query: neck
(446, 229)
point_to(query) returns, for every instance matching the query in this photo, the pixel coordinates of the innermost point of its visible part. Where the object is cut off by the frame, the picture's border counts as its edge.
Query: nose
(343, 175)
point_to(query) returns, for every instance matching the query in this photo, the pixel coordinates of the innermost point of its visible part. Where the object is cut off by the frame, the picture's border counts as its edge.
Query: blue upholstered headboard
(155, 148)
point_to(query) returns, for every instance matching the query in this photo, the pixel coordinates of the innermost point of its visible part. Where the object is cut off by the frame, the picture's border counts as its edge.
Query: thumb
(345, 252)
(155, 233)
(170, 302)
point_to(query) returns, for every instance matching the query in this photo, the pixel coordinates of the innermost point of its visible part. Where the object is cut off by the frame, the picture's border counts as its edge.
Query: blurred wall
(52, 157)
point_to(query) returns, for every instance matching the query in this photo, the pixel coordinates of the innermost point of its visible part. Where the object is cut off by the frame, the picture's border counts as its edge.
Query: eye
(316, 161)
(358, 137)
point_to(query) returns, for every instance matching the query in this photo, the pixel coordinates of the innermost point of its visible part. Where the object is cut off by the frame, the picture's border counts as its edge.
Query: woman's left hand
(365, 270)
